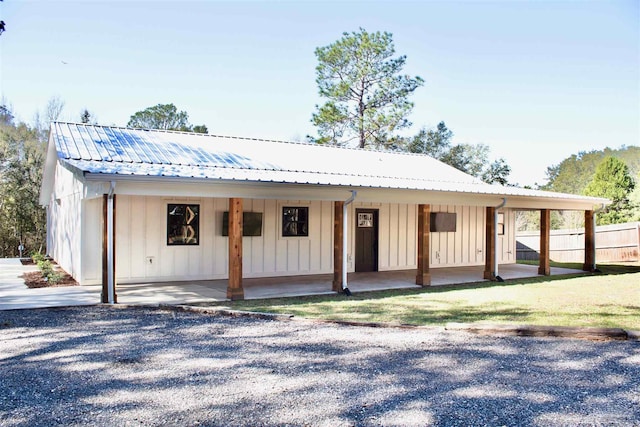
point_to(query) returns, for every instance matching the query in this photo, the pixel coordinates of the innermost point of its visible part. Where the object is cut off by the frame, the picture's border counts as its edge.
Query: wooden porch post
(589, 242)
(104, 296)
(234, 287)
(545, 227)
(490, 245)
(423, 275)
(338, 242)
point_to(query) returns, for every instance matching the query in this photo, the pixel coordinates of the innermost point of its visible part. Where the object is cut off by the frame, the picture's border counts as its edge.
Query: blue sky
(536, 81)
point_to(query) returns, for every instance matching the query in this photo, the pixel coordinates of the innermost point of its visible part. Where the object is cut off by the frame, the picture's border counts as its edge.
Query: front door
(366, 240)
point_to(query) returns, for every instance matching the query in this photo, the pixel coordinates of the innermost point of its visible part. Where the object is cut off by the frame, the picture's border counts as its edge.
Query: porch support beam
(338, 243)
(109, 294)
(234, 287)
(490, 244)
(589, 241)
(545, 229)
(423, 275)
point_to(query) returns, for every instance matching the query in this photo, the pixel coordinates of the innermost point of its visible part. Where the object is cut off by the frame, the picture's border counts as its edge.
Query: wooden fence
(619, 242)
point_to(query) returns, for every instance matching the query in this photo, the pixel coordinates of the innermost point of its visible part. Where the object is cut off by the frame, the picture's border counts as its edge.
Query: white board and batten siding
(397, 235)
(507, 241)
(466, 246)
(64, 213)
(142, 254)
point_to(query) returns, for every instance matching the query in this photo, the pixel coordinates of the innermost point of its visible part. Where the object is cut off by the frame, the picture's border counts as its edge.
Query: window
(295, 221)
(500, 224)
(183, 224)
(365, 220)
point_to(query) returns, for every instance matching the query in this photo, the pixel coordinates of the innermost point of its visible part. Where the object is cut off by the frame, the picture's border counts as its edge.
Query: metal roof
(115, 151)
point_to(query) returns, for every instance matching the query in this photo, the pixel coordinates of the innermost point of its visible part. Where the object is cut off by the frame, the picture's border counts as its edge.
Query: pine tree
(367, 96)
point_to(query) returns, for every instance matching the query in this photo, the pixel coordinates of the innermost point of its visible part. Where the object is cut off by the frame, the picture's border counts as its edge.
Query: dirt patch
(34, 279)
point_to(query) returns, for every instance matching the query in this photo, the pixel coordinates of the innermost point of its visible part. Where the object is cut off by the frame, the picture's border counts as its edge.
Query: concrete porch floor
(272, 287)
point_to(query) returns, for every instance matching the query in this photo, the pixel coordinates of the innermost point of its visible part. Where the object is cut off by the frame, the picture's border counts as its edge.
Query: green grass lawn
(607, 299)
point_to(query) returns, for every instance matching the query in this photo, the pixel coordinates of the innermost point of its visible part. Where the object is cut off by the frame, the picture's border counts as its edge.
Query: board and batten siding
(64, 214)
(92, 241)
(397, 234)
(142, 254)
(507, 242)
(466, 246)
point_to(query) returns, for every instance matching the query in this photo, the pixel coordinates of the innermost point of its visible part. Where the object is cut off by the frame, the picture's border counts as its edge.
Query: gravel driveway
(104, 366)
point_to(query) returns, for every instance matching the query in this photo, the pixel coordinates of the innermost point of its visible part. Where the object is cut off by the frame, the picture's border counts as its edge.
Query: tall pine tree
(367, 96)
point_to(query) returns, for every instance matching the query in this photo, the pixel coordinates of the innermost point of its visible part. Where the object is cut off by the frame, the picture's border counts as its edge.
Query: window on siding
(295, 221)
(183, 224)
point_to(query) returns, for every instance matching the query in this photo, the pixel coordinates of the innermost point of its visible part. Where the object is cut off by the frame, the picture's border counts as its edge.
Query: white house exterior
(132, 205)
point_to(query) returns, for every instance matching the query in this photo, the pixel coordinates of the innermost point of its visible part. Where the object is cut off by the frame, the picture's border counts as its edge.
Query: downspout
(495, 239)
(345, 227)
(593, 244)
(110, 249)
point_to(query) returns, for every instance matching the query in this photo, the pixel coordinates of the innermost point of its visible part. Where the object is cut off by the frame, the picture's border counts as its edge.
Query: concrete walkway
(15, 295)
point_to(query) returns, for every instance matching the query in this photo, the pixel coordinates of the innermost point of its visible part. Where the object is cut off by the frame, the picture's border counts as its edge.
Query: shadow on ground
(107, 366)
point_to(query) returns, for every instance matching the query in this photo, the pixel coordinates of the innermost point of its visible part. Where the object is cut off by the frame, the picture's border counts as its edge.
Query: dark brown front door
(366, 240)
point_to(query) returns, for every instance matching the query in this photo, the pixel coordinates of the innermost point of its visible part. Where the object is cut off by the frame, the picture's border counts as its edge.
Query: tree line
(608, 173)
(22, 220)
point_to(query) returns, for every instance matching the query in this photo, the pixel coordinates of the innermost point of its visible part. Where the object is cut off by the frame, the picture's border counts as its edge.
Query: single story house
(135, 205)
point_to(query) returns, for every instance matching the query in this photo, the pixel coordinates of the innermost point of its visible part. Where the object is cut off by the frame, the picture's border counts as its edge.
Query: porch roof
(113, 153)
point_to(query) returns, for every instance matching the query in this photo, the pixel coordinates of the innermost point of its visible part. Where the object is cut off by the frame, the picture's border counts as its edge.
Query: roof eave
(207, 187)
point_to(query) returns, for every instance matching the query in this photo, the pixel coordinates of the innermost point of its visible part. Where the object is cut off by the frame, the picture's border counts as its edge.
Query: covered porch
(237, 287)
(294, 286)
